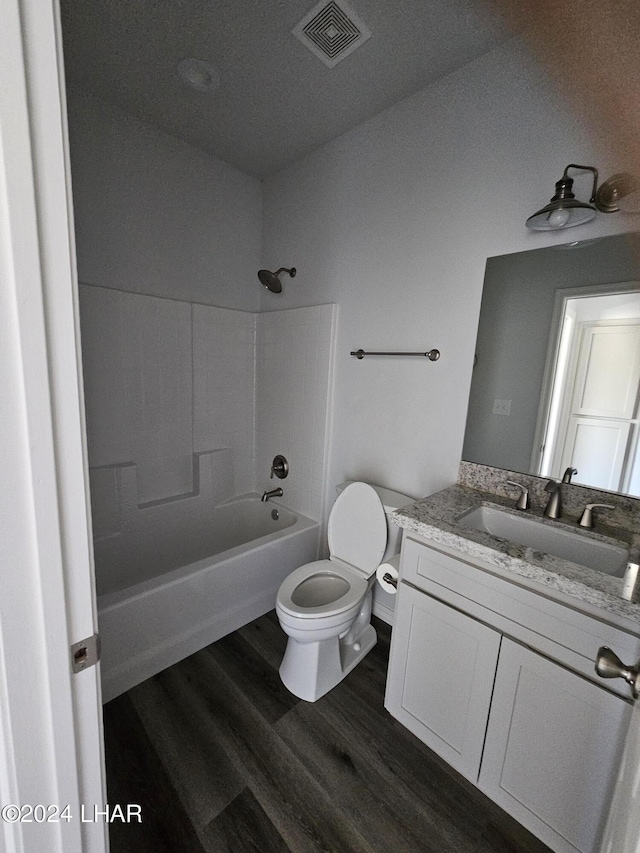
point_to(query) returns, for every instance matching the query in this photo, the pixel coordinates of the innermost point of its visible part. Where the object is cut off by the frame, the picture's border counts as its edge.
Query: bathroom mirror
(557, 364)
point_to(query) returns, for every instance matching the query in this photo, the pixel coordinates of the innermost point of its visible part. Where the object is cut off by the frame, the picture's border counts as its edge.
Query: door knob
(609, 665)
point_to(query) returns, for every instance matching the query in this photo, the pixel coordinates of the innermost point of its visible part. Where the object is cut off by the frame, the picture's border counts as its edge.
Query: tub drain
(275, 515)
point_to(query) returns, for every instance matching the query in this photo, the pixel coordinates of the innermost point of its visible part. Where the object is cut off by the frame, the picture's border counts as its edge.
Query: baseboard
(384, 613)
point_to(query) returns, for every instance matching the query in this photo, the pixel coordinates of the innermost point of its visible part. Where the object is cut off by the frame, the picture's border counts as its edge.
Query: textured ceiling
(276, 100)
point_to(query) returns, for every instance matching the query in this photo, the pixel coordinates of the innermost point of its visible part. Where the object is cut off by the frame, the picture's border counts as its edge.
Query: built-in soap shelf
(117, 486)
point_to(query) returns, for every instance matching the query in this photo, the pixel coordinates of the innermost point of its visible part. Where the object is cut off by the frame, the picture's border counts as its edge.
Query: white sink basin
(558, 541)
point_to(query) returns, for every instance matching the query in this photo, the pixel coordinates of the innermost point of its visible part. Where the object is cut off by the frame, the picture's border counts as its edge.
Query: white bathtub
(195, 592)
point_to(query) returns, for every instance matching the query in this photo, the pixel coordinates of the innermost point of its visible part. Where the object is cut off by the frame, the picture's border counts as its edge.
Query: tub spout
(274, 493)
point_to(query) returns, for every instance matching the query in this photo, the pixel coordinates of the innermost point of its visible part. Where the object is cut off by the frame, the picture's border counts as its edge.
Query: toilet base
(309, 670)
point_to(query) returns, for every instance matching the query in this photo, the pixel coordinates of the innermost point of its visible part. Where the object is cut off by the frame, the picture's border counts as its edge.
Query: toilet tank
(390, 501)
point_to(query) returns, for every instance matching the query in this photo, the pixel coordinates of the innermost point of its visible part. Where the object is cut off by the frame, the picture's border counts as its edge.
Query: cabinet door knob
(609, 665)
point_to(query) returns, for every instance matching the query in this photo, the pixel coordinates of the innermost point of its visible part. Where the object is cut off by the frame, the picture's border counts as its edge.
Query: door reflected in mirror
(557, 374)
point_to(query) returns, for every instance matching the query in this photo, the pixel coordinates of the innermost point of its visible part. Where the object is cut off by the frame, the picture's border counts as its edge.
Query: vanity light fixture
(564, 210)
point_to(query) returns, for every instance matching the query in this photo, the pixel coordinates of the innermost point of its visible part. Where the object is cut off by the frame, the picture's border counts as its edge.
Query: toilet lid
(357, 532)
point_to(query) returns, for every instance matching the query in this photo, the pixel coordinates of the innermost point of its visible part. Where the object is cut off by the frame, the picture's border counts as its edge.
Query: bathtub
(187, 594)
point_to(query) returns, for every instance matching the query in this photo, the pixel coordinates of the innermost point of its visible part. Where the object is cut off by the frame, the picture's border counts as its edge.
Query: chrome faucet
(274, 493)
(553, 508)
(568, 474)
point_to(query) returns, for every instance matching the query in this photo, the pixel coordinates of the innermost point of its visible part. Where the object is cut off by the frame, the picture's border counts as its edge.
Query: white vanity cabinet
(552, 750)
(499, 680)
(441, 678)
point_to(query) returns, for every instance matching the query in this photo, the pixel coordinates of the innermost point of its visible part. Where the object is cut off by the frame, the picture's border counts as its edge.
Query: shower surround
(191, 402)
(167, 381)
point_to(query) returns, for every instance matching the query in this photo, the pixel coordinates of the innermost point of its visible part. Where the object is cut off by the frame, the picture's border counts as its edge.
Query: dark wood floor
(222, 757)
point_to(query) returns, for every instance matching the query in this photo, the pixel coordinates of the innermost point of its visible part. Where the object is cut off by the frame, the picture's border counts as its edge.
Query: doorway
(591, 419)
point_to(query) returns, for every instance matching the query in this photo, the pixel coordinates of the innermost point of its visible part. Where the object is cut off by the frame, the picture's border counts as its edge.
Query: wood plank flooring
(222, 757)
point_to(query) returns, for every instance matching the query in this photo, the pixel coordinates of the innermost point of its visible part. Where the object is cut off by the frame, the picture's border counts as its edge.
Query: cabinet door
(553, 747)
(441, 672)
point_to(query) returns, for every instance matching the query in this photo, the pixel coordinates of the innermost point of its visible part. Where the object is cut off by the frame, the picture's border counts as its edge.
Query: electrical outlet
(502, 407)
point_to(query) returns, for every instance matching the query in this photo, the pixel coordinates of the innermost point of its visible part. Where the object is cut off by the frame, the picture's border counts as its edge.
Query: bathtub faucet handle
(279, 467)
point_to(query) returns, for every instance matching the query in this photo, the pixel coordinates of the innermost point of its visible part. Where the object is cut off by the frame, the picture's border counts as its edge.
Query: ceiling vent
(332, 31)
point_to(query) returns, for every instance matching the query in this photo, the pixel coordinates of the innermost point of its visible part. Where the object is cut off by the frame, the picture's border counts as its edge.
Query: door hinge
(86, 653)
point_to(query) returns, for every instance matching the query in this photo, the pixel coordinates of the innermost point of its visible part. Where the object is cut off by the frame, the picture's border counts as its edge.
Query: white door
(601, 418)
(50, 719)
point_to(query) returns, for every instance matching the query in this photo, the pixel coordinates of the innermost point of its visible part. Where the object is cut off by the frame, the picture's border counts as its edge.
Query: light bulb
(559, 218)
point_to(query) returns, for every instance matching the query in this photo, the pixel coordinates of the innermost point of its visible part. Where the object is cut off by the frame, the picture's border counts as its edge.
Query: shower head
(271, 280)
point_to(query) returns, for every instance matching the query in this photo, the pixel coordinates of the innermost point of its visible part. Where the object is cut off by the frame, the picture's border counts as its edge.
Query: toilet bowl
(324, 607)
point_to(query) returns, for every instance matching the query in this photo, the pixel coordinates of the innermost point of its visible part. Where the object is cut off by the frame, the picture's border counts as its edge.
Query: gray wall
(154, 215)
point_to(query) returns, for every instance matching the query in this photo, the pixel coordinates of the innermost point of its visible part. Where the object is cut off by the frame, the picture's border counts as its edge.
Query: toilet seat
(357, 536)
(290, 603)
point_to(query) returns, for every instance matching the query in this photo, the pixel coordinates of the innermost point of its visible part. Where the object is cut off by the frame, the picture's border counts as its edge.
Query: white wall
(394, 222)
(165, 380)
(295, 353)
(139, 387)
(186, 407)
(224, 357)
(170, 385)
(174, 394)
(155, 215)
(170, 407)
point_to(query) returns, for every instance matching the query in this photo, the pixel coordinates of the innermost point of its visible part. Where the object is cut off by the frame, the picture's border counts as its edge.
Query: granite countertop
(434, 518)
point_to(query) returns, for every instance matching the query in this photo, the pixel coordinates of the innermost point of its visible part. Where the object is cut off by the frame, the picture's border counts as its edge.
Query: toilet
(324, 607)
